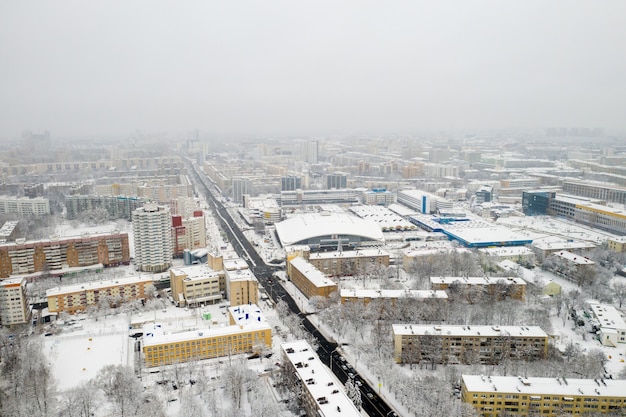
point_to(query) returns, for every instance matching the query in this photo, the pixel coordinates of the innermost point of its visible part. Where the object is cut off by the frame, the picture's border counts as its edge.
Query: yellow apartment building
(492, 396)
(415, 343)
(77, 297)
(250, 333)
(309, 280)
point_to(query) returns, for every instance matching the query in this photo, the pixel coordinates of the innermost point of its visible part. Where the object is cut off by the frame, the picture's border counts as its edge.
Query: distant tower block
(153, 238)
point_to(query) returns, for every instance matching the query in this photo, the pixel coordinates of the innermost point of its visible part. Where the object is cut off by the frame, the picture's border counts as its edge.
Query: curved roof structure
(313, 225)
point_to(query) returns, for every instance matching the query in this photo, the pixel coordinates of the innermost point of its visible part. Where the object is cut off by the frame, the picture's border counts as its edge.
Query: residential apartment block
(366, 296)
(342, 263)
(493, 396)
(188, 233)
(415, 343)
(321, 394)
(500, 288)
(24, 206)
(196, 285)
(153, 238)
(574, 267)
(118, 207)
(78, 297)
(54, 255)
(309, 280)
(249, 333)
(14, 308)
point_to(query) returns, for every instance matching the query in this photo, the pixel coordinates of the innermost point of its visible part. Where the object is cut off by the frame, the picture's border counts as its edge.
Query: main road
(327, 350)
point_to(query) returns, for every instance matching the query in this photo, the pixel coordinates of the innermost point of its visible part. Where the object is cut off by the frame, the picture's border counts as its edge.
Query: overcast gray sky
(310, 67)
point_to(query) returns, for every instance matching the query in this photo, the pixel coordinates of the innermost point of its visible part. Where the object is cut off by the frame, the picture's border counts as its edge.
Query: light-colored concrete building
(153, 238)
(14, 308)
(196, 285)
(24, 206)
(612, 325)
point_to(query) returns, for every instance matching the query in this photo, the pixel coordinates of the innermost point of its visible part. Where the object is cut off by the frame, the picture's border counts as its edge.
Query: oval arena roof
(311, 225)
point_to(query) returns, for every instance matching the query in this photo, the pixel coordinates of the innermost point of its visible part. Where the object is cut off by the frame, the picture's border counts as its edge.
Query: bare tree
(619, 292)
(122, 388)
(80, 401)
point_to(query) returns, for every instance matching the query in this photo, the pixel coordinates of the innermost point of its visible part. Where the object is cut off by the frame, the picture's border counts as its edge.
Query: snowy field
(75, 359)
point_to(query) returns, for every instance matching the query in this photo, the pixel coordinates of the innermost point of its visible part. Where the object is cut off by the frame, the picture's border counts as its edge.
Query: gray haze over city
(313, 67)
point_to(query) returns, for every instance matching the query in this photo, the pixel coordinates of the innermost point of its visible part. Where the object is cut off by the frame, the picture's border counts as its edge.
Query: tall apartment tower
(153, 238)
(337, 180)
(241, 186)
(290, 183)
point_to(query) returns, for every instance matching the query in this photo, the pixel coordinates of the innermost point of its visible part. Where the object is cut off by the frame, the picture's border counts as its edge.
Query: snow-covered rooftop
(234, 263)
(363, 293)
(574, 258)
(156, 336)
(311, 225)
(545, 386)
(246, 313)
(195, 272)
(318, 380)
(94, 285)
(486, 331)
(240, 275)
(361, 253)
(313, 274)
(477, 280)
(608, 316)
(386, 219)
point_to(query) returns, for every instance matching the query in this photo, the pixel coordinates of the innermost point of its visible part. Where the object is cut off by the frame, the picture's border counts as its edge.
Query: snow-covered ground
(76, 356)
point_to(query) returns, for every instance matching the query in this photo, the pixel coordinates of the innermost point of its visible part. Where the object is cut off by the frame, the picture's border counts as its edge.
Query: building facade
(188, 233)
(493, 396)
(78, 297)
(14, 308)
(196, 285)
(53, 255)
(309, 280)
(153, 238)
(345, 263)
(245, 336)
(366, 296)
(118, 207)
(499, 288)
(416, 343)
(24, 206)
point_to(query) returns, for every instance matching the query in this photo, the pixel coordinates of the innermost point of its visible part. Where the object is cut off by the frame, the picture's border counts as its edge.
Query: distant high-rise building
(290, 183)
(241, 186)
(153, 238)
(336, 180)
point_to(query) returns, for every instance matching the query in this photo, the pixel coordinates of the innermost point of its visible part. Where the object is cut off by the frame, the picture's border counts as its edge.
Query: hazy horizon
(309, 68)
